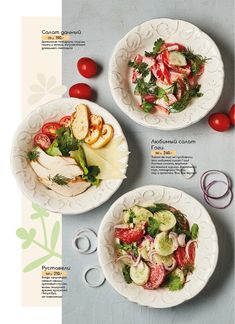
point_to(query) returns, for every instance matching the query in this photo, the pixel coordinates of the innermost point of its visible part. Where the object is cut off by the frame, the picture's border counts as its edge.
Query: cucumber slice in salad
(166, 220)
(165, 260)
(179, 273)
(177, 58)
(142, 214)
(140, 273)
(163, 244)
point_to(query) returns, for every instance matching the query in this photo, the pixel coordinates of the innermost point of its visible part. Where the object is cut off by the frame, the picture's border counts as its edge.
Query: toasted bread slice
(95, 128)
(105, 137)
(80, 122)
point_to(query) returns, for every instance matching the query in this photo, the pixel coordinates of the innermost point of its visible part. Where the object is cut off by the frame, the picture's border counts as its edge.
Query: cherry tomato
(219, 122)
(49, 129)
(129, 235)
(156, 277)
(87, 67)
(232, 114)
(181, 258)
(65, 121)
(42, 140)
(80, 90)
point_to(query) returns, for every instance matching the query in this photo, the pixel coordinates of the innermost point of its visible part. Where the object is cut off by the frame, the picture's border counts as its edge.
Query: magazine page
(124, 157)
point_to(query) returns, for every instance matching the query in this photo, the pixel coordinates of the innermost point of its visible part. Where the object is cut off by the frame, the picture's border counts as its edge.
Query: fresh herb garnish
(181, 104)
(173, 282)
(128, 248)
(142, 68)
(132, 215)
(194, 231)
(66, 141)
(126, 274)
(156, 48)
(152, 227)
(60, 179)
(93, 172)
(147, 106)
(196, 60)
(33, 154)
(157, 207)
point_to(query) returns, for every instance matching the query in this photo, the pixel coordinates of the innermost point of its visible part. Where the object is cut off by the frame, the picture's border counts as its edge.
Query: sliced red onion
(204, 186)
(126, 256)
(170, 268)
(181, 239)
(150, 238)
(208, 199)
(173, 236)
(150, 255)
(187, 247)
(137, 261)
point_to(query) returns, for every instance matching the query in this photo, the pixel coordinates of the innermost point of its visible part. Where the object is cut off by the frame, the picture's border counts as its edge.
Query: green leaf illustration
(40, 212)
(26, 236)
(22, 233)
(36, 263)
(54, 235)
(31, 236)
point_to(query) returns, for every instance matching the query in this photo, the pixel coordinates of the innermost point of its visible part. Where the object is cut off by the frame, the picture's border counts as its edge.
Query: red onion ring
(205, 188)
(207, 197)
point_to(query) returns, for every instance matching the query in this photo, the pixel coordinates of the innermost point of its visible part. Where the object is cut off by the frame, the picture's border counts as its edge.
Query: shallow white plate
(26, 177)
(140, 39)
(206, 253)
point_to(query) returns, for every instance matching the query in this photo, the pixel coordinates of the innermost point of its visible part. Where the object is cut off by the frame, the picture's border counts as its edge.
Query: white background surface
(10, 22)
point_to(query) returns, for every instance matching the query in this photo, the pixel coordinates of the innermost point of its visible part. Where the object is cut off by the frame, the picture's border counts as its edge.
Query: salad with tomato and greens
(58, 153)
(166, 79)
(156, 246)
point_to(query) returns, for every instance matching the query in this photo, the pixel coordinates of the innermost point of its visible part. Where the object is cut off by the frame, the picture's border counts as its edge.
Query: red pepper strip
(165, 72)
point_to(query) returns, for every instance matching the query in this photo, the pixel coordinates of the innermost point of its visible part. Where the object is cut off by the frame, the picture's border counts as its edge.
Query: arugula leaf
(194, 231)
(33, 154)
(147, 106)
(126, 274)
(173, 282)
(66, 141)
(153, 227)
(181, 104)
(196, 60)
(156, 48)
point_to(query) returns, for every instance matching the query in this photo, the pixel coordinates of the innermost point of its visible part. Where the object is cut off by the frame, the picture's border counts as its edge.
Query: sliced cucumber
(167, 88)
(177, 58)
(141, 213)
(140, 273)
(166, 220)
(166, 260)
(163, 244)
(147, 77)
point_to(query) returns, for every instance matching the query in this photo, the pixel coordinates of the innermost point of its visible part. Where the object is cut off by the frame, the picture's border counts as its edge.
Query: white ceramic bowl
(26, 177)
(206, 253)
(140, 39)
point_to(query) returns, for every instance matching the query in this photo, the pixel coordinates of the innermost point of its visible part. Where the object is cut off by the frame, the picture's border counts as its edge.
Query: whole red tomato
(219, 122)
(87, 67)
(232, 114)
(81, 91)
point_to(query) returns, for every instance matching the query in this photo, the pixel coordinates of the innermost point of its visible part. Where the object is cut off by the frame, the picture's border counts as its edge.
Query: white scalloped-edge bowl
(206, 253)
(141, 38)
(26, 177)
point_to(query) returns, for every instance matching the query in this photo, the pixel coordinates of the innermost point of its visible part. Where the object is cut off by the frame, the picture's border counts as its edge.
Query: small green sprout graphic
(28, 238)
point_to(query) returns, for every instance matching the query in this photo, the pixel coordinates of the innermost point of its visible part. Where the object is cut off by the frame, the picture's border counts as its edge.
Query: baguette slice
(80, 122)
(105, 137)
(95, 128)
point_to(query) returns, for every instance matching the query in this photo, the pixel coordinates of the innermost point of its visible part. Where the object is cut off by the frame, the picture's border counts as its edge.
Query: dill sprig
(60, 179)
(33, 154)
